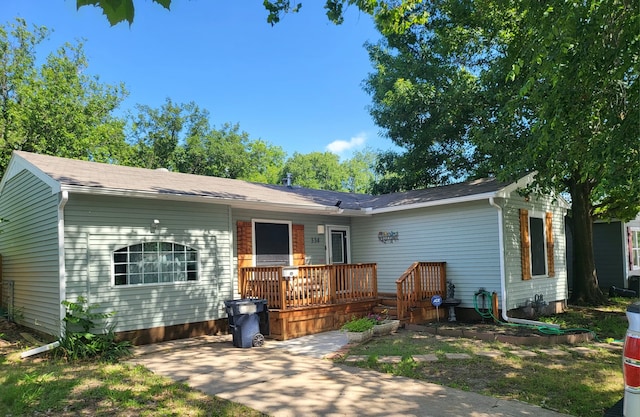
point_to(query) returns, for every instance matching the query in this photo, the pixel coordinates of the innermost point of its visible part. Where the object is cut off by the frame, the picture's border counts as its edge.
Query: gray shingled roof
(129, 180)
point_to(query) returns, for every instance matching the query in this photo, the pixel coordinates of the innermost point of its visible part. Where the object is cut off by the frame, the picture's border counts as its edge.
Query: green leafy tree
(156, 133)
(266, 162)
(392, 12)
(518, 87)
(317, 170)
(55, 108)
(360, 171)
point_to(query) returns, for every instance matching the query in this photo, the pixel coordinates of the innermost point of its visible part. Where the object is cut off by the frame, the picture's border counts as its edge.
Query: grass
(573, 384)
(45, 386)
(582, 385)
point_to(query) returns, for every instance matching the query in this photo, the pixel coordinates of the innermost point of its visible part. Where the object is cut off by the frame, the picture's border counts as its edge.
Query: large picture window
(272, 243)
(154, 263)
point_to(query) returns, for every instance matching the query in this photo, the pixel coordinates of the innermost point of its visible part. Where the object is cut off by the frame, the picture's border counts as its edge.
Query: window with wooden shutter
(525, 244)
(536, 244)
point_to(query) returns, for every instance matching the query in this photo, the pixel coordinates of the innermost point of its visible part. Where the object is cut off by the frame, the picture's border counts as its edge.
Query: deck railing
(313, 285)
(420, 282)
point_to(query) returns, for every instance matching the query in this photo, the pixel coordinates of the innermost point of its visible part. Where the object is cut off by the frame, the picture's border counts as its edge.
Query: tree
(317, 170)
(550, 87)
(360, 171)
(391, 12)
(55, 108)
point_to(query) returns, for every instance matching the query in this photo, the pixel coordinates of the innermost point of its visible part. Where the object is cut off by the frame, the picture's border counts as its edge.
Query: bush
(358, 324)
(80, 341)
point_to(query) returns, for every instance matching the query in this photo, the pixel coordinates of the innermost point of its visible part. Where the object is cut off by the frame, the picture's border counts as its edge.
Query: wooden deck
(311, 299)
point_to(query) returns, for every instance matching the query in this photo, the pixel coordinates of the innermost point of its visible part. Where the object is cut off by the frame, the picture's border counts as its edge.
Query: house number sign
(388, 237)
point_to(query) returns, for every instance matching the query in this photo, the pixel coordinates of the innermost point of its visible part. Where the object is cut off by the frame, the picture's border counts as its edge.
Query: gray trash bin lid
(634, 308)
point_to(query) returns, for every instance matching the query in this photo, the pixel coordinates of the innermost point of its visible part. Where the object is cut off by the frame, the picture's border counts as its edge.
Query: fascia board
(443, 202)
(18, 164)
(235, 203)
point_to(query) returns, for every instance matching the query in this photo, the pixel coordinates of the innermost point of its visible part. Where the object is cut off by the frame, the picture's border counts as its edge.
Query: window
(537, 249)
(154, 263)
(272, 243)
(634, 248)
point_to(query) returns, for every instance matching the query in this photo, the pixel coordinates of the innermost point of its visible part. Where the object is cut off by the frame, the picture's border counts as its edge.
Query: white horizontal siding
(96, 226)
(29, 248)
(519, 290)
(463, 235)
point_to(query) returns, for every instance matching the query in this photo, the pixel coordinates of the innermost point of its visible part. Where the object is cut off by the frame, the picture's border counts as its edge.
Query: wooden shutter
(297, 235)
(245, 244)
(551, 272)
(525, 244)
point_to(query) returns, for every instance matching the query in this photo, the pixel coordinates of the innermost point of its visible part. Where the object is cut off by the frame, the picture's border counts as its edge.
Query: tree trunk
(585, 279)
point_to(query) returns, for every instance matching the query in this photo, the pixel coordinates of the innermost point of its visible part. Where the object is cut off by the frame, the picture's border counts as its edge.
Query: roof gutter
(463, 199)
(503, 279)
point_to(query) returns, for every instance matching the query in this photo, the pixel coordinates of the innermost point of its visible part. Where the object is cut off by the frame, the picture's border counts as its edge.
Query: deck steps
(387, 304)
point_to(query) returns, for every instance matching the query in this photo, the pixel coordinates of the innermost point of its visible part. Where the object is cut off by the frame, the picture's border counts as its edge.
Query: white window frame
(541, 216)
(128, 264)
(254, 235)
(328, 244)
(634, 248)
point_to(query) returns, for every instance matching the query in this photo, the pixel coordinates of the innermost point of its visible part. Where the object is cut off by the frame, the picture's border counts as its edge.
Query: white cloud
(339, 146)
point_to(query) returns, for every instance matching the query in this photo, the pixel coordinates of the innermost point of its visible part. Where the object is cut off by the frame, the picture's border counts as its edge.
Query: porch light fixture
(154, 225)
(321, 229)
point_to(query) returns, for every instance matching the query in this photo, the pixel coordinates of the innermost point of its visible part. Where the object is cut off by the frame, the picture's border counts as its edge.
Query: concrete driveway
(280, 383)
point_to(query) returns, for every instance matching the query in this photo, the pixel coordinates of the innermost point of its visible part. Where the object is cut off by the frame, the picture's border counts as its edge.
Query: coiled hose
(487, 313)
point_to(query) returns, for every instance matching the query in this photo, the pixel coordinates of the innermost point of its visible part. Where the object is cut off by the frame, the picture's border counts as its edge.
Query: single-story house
(164, 250)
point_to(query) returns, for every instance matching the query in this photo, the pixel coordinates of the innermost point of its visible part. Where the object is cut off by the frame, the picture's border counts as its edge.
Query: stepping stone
(609, 346)
(431, 357)
(554, 352)
(523, 353)
(581, 350)
(420, 336)
(490, 353)
(390, 359)
(357, 358)
(457, 356)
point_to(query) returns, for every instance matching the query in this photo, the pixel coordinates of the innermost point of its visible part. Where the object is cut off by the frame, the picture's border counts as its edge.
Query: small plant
(81, 342)
(379, 318)
(358, 325)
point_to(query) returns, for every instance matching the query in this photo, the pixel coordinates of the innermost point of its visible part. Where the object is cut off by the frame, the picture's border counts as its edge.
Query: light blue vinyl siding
(519, 290)
(96, 226)
(464, 235)
(29, 248)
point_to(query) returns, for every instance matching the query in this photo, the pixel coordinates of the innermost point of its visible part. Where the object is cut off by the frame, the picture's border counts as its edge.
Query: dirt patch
(507, 333)
(14, 338)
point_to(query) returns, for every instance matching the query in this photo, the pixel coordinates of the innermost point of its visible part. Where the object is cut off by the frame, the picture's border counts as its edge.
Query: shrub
(358, 324)
(81, 342)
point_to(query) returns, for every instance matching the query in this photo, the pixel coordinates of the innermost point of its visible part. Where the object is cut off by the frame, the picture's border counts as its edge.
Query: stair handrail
(410, 287)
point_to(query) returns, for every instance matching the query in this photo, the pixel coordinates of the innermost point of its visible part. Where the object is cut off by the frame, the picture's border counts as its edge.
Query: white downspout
(64, 197)
(503, 279)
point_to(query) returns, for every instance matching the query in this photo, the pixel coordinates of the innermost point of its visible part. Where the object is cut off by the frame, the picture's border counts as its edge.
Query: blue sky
(297, 84)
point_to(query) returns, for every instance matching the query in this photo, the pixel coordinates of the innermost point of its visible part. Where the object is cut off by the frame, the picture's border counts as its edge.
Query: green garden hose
(548, 330)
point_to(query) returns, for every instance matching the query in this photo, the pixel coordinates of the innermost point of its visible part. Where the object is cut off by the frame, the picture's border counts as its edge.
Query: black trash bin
(248, 321)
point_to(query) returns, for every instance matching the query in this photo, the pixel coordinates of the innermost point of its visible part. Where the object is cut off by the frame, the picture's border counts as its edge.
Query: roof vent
(162, 169)
(288, 180)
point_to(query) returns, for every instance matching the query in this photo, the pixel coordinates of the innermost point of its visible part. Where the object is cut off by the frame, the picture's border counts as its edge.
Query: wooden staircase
(388, 303)
(412, 301)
